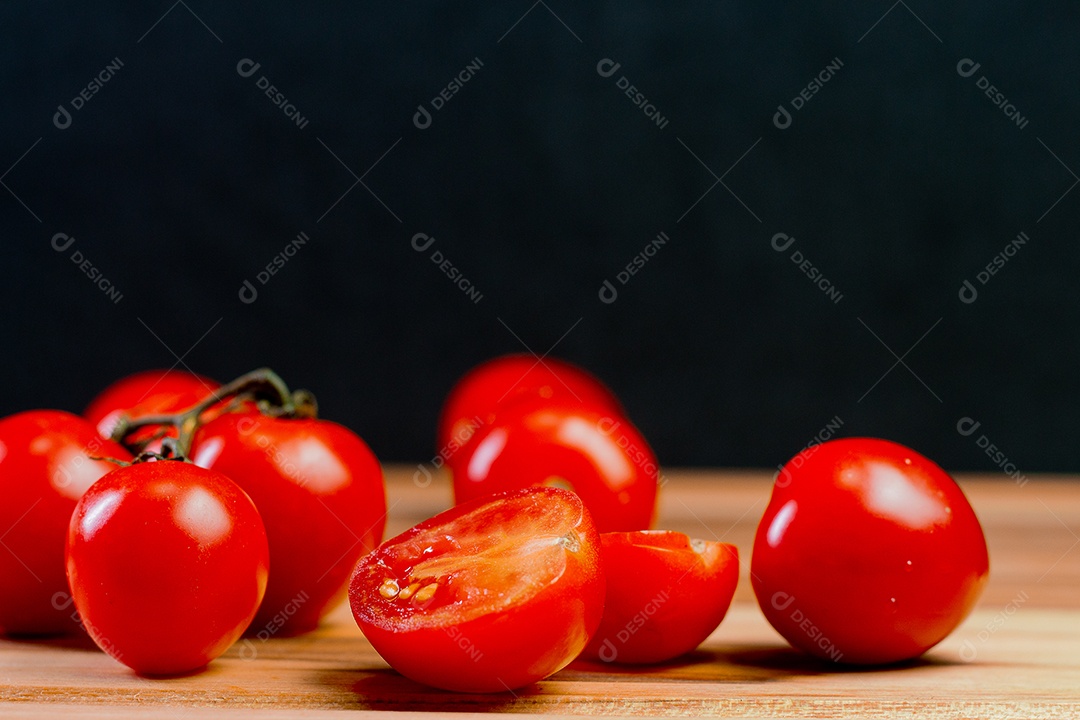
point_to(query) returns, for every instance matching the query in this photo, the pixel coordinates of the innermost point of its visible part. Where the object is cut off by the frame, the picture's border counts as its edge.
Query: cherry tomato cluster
(179, 513)
(868, 553)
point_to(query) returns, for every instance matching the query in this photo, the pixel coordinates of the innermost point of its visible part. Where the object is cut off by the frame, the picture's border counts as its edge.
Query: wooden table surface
(1018, 655)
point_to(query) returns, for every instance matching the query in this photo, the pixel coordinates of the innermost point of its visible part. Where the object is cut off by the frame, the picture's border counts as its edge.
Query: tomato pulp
(488, 596)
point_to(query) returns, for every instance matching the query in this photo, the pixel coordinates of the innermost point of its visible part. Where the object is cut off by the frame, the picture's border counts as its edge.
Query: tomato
(167, 564)
(666, 593)
(480, 392)
(488, 596)
(560, 442)
(868, 553)
(45, 467)
(151, 392)
(321, 495)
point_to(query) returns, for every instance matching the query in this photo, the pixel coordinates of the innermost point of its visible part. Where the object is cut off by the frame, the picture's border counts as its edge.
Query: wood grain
(1018, 655)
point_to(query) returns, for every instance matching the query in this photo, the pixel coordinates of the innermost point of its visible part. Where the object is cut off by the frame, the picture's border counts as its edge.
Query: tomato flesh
(666, 594)
(488, 596)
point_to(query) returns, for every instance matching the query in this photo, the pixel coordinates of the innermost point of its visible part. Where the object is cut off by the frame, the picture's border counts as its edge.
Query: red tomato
(598, 455)
(45, 467)
(488, 596)
(321, 495)
(868, 553)
(666, 593)
(167, 564)
(503, 380)
(151, 392)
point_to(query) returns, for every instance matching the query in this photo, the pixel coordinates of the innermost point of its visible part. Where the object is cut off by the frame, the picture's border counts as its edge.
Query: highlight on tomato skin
(868, 553)
(46, 464)
(149, 392)
(488, 596)
(561, 442)
(167, 564)
(666, 593)
(478, 395)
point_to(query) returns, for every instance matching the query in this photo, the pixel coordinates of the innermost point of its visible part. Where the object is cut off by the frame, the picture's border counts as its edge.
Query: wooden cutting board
(1017, 656)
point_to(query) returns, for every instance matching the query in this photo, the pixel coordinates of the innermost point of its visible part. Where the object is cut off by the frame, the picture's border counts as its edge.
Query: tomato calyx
(261, 389)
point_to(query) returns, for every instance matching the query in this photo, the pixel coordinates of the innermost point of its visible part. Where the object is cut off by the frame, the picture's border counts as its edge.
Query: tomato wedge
(666, 593)
(489, 596)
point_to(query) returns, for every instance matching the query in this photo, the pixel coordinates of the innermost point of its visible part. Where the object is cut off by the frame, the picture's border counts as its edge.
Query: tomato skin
(520, 592)
(598, 455)
(504, 380)
(150, 392)
(167, 564)
(45, 467)
(664, 597)
(321, 495)
(868, 553)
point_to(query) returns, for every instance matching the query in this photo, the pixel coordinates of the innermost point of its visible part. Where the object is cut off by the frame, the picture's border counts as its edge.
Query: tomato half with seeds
(501, 381)
(599, 455)
(868, 552)
(666, 593)
(488, 596)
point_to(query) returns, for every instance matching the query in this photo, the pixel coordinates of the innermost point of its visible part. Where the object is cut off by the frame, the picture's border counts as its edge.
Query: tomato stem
(262, 387)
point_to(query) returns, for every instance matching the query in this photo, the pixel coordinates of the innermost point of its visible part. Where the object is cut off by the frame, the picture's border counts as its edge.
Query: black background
(540, 180)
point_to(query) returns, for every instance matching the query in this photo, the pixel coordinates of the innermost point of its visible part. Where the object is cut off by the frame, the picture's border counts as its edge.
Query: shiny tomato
(598, 455)
(503, 380)
(488, 596)
(151, 392)
(666, 593)
(45, 467)
(321, 495)
(167, 564)
(868, 553)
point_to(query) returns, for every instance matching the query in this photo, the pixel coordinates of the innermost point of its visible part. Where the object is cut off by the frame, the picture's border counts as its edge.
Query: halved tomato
(666, 593)
(488, 596)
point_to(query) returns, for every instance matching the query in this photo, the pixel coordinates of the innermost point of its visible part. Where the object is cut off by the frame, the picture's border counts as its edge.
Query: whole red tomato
(666, 593)
(167, 564)
(503, 380)
(45, 467)
(488, 596)
(320, 492)
(868, 553)
(598, 455)
(151, 392)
